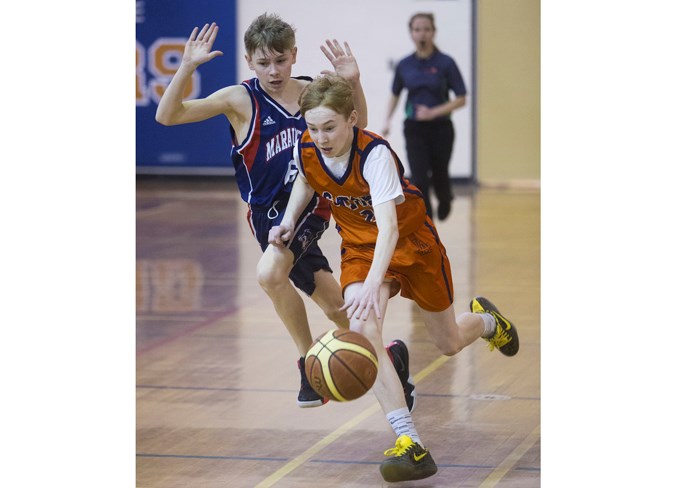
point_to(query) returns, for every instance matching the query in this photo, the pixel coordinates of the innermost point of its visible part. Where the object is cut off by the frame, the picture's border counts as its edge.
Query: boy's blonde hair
(269, 33)
(330, 91)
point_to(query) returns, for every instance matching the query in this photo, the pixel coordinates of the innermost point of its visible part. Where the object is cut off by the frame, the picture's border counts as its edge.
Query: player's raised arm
(345, 66)
(172, 109)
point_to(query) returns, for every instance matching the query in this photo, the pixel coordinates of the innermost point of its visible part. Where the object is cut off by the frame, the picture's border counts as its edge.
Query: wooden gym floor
(216, 371)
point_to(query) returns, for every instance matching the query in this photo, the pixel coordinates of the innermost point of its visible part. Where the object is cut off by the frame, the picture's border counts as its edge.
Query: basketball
(341, 365)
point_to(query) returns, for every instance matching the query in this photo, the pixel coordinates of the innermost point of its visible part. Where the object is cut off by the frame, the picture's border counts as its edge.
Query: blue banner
(162, 29)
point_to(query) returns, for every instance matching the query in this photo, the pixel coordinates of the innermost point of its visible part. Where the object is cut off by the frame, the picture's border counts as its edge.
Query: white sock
(489, 324)
(401, 422)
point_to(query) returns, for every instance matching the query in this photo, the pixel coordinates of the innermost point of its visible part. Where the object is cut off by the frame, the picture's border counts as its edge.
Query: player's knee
(269, 278)
(450, 348)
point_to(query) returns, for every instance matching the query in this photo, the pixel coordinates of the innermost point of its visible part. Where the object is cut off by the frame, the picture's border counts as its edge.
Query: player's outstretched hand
(342, 60)
(198, 49)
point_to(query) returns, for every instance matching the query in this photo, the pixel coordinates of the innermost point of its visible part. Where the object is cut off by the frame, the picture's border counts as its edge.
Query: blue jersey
(264, 161)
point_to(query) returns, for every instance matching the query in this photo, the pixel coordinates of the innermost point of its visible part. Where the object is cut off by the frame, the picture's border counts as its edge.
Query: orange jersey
(349, 196)
(419, 266)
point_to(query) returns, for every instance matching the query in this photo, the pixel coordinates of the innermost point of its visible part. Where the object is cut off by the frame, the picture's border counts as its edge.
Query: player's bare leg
(387, 388)
(451, 334)
(409, 459)
(272, 273)
(329, 298)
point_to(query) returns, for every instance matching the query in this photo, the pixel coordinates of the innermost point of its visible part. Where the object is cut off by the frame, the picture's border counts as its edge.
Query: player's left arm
(369, 295)
(381, 174)
(345, 65)
(388, 235)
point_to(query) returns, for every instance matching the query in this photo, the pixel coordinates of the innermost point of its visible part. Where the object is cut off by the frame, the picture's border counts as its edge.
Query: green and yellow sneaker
(409, 461)
(505, 338)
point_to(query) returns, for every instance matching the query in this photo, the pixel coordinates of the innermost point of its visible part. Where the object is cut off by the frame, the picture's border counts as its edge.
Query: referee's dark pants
(429, 145)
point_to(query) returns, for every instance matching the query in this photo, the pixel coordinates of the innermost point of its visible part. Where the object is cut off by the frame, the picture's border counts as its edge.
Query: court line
(227, 458)
(322, 443)
(291, 390)
(497, 474)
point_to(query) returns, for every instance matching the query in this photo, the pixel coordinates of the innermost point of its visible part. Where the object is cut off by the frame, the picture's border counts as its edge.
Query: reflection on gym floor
(216, 372)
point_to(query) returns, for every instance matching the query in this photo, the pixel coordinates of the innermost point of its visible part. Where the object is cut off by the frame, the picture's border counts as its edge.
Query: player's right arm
(301, 194)
(231, 101)
(299, 198)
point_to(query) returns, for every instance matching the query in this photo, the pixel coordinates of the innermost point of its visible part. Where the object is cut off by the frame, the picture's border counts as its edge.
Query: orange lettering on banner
(163, 59)
(141, 95)
(166, 59)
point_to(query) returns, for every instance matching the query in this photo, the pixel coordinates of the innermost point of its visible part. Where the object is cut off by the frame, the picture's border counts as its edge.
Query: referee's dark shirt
(427, 81)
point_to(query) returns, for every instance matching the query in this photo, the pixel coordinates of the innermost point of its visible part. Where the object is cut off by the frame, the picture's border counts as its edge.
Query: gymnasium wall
(508, 87)
(503, 104)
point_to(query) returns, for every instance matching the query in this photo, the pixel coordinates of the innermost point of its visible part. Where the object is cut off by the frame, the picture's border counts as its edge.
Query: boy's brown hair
(269, 32)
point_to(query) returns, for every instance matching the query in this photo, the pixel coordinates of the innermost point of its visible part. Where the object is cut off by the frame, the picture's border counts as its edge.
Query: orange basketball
(341, 365)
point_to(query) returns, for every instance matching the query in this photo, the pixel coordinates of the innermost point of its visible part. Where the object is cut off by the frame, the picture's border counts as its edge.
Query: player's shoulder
(230, 94)
(298, 83)
(232, 98)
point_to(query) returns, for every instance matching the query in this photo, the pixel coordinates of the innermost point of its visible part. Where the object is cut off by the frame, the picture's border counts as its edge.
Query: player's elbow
(391, 231)
(163, 118)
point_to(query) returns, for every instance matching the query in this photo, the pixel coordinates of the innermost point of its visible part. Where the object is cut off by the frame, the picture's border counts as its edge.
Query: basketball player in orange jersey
(389, 244)
(265, 122)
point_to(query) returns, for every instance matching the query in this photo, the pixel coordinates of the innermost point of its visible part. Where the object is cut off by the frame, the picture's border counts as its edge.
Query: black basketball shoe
(399, 355)
(307, 396)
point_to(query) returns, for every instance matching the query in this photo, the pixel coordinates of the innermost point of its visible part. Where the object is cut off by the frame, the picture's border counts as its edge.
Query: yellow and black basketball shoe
(409, 461)
(505, 338)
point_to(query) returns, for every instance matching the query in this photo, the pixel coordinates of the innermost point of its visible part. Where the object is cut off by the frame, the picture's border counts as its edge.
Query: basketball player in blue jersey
(265, 122)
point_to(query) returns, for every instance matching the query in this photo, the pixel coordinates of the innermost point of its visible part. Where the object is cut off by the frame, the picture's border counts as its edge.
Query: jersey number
(292, 171)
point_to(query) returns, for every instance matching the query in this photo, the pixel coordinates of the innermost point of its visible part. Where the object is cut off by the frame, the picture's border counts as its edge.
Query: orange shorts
(419, 268)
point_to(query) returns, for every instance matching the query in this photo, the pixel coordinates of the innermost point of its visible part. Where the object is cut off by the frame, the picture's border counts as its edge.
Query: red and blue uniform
(265, 172)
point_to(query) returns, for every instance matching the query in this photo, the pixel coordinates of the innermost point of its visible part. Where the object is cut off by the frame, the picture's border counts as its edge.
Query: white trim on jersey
(248, 138)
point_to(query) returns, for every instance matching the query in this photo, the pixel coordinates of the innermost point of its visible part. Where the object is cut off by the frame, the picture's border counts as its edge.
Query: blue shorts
(308, 257)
